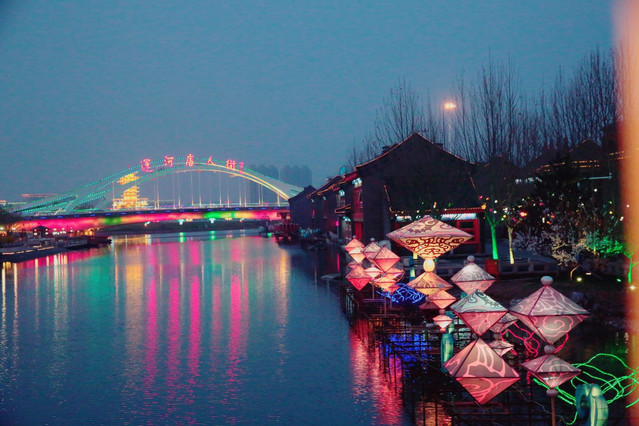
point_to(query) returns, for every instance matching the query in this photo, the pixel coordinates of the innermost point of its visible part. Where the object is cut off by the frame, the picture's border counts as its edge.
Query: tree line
(494, 116)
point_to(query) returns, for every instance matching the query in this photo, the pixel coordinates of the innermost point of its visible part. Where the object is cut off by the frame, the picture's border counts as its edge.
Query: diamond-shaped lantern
(384, 259)
(442, 299)
(471, 277)
(373, 272)
(500, 346)
(429, 237)
(503, 323)
(358, 277)
(357, 255)
(548, 313)
(352, 264)
(354, 243)
(482, 372)
(429, 283)
(388, 279)
(371, 250)
(551, 370)
(479, 311)
(442, 320)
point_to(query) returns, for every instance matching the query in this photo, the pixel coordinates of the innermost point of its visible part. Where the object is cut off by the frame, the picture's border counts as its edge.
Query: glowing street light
(449, 107)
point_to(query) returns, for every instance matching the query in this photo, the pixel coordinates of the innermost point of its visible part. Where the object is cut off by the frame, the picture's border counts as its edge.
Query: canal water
(185, 329)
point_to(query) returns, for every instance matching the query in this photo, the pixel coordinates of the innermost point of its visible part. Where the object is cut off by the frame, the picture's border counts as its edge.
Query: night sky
(89, 87)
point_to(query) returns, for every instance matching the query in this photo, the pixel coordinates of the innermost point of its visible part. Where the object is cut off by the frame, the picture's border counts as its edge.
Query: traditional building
(407, 180)
(302, 208)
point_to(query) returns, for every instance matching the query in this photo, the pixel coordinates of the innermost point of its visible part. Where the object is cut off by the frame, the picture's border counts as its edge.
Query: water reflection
(207, 330)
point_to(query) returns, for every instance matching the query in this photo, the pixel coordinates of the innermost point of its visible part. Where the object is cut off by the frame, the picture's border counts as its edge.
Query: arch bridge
(96, 196)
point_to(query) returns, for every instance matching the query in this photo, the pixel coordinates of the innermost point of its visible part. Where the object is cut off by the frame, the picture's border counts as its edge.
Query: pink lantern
(397, 274)
(384, 259)
(429, 237)
(471, 277)
(442, 299)
(357, 254)
(429, 283)
(482, 372)
(551, 370)
(442, 320)
(354, 243)
(358, 277)
(500, 346)
(373, 272)
(392, 288)
(548, 313)
(388, 279)
(503, 323)
(478, 311)
(371, 250)
(384, 282)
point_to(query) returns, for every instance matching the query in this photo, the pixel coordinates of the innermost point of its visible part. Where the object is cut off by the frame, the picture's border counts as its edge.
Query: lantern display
(478, 311)
(429, 283)
(548, 313)
(481, 371)
(471, 277)
(358, 277)
(429, 237)
(384, 259)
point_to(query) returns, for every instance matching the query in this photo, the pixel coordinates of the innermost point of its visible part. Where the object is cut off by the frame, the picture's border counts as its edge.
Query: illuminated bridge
(115, 200)
(107, 192)
(97, 220)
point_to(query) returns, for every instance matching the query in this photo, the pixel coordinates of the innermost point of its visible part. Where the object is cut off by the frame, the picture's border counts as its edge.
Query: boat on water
(285, 231)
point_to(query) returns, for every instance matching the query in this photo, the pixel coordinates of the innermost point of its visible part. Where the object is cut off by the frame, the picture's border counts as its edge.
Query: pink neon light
(151, 338)
(189, 160)
(168, 161)
(230, 164)
(210, 162)
(145, 165)
(194, 332)
(172, 376)
(241, 166)
(82, 223)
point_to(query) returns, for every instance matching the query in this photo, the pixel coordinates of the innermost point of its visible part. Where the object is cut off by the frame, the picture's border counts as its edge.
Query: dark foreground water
(202, 329)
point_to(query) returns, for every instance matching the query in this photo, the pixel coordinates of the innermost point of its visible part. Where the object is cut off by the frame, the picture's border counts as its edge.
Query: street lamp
(449, 107)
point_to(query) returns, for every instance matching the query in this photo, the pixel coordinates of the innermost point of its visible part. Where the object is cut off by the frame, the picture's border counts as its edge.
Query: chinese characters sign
(169, 162)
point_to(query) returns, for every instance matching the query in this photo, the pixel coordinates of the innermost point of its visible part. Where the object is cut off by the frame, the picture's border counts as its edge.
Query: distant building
(34, 197)
(296, 175)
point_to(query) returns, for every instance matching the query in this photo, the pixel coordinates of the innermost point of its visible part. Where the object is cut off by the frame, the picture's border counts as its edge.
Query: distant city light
(450, 105)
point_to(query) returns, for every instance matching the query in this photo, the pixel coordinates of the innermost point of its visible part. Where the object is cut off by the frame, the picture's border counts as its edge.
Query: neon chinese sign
(190, 161)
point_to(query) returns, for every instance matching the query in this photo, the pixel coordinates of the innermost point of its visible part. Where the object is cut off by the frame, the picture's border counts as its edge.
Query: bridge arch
(97, 193)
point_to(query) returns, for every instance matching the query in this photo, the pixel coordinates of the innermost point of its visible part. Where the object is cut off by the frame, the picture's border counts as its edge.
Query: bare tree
(580, 106)
(400, 115)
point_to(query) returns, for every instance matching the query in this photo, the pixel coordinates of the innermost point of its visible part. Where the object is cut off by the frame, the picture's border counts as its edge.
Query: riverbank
(36, 248)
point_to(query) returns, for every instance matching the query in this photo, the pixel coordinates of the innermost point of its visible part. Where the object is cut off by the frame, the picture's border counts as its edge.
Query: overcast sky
(88, 87)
